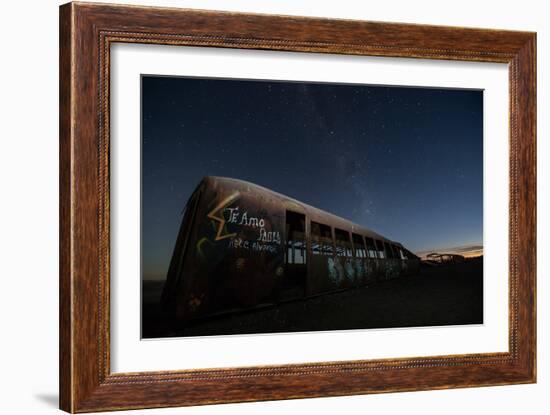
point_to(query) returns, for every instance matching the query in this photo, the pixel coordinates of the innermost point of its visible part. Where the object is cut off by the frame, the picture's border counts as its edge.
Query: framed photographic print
(258, 207)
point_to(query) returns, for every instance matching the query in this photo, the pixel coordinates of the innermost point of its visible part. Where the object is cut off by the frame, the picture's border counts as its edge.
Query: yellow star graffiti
(217, 215)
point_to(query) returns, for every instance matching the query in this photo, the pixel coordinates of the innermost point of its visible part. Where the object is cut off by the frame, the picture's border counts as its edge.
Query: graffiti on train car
(263, 240)
(340, 271)
(392, 268)
(349, 271)
(243, 229)
(254, 246)
(244, 218)
(217, 215)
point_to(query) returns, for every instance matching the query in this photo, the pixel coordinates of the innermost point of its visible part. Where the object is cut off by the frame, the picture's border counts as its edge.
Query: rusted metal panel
(322, 275)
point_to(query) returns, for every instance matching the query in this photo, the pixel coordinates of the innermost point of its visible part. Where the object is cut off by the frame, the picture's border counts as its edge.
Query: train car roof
(315, 214)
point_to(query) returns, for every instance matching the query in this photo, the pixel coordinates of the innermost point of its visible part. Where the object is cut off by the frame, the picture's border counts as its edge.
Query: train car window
(359, 246)
(389, 251)
(295, 240)
(400, 252)
(343, 243)
(371, 248)
(396, 252)
(321, 239)
(380, 248)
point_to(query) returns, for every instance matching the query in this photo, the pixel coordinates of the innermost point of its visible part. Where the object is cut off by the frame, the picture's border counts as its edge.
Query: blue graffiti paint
(332, 271)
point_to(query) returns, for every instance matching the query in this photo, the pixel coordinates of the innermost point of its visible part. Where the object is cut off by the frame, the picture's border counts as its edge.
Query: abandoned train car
(241, 245)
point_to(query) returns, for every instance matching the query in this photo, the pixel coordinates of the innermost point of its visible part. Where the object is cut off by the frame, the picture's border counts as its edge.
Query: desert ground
(442, 295)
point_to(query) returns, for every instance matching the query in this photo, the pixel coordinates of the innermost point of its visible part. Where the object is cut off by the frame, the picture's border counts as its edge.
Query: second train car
(241, 246)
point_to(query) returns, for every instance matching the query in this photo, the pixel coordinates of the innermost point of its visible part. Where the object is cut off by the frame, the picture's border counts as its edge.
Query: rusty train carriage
(241, 245)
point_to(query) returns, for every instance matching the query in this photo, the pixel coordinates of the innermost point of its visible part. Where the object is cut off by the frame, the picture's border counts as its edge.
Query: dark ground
(443, 295)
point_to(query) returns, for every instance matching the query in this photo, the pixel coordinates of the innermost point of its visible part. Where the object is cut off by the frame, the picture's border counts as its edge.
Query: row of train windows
(323, 244)
(362, 247)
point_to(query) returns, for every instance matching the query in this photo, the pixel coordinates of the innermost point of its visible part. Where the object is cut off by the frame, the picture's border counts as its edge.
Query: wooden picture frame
(86, 33)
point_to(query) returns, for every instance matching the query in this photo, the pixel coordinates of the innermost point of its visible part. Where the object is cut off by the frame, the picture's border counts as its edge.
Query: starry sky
(406, 162)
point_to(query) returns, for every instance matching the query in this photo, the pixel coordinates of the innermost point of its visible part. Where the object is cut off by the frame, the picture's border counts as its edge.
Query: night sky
(404, 162)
